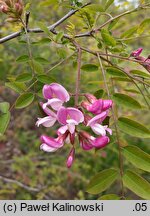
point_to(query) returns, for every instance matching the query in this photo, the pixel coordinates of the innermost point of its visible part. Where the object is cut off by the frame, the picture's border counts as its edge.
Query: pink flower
(89, 142)
(97, 106)
(50, 144)
(49, 120)
(69, 117)
(95, 124)
(145, 62)
(85, 140)
(56, 95)
(70, 158)
(137, 52)
(100, 142)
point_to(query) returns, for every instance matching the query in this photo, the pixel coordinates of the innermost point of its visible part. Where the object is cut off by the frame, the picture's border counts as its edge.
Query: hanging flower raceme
(70, 119)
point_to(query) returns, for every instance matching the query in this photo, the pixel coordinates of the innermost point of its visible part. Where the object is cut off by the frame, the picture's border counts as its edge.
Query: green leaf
(109, 197)
(45, 79)
(101, 181)
(62, 53)
(44, 28)
(24, 77)
(115, 72)
(122, 79)
(137, 184)
(59, 36)
(89, 67)
(47, 3)
(38, 67)
(127, 101)
(99, 94)
(137, 157)
(130, 32)
(107, 38)
(4, 107)
(23, 58)
(108, 4)
(4, 121)
(95, 8)
(113, 24)
(140, 73)
(16, 86)
(41, 60)
(42, 41)
(24, 100)
(132, 91)
(133, 128)
(143, 26)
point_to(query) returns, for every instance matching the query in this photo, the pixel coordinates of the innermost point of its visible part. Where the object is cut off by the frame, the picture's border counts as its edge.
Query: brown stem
(50, 28)
(20, 184)
(78, 74)
(86, 34)
(116, 129)
(125, 72)
(28, 45)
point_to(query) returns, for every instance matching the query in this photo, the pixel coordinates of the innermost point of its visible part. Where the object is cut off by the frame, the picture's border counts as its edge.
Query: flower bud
(137, 52)
(72, 138)
(91, 98)
(70, 158)
(4, 9)
(101, 142)
(85, 135)
(85, 105)
(11, 20)
(87, 118)
(18, 8)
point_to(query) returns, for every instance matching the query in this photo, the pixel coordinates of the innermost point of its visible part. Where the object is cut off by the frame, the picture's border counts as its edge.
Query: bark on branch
(38, 30)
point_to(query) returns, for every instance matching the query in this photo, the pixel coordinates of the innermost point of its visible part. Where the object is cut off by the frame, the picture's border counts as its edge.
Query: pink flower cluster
(69, 118)
(145, 62)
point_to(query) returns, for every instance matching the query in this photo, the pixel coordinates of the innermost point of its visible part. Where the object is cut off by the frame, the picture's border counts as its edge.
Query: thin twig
(12, 181)
(78, 77)
(32, 84)
(38, 30)
(116, 128)
(125, 72)
(85, 34)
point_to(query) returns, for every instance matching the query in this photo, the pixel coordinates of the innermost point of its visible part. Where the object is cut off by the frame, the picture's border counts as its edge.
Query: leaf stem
(116, 128)
(78, 76)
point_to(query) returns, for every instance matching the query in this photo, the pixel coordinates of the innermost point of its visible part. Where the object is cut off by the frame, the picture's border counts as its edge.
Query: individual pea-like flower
(49, 120)
(137, 52)
(56, 95)
(96, 106)
(50, 144)
(70, 119)
(95, 124)
(89, 142)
